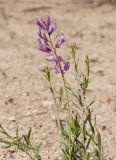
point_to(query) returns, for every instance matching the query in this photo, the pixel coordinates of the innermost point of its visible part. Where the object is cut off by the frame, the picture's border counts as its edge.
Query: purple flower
(60, 41)
(42, 36)
(62, 67)
(66, 66)
(52, 28)
(46, 25)
(57, 68)
(40, 24)
(50, 59)
(46, 48)
(59, 59)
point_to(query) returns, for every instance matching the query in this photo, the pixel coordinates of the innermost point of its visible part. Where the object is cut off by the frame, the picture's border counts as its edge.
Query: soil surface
(24, 97)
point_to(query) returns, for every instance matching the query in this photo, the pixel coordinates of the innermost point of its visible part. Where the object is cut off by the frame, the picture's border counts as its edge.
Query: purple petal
(58, 69)
(52, 28)
(59, 59)
(66, 66)
(40, 34)
(60, 41)
(46, 48)
(40, 24)
(45, 37)
(50, 59)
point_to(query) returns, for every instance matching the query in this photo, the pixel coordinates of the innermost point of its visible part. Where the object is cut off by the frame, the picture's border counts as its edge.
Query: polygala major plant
(81, 138)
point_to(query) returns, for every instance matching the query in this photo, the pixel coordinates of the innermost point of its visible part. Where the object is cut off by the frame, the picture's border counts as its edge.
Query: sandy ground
(24, 99)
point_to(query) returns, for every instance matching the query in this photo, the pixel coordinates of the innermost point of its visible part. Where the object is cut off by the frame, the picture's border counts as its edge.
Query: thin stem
(27, 154)
(83, 130)
(55, 109)
(52, 92)
(6, 133)
(64, 81)
(63, 77)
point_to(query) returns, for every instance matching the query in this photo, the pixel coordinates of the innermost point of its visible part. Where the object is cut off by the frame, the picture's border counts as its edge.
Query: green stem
(63, 77)
(52, 92)
(55, 109)
(83, 131)
(64, 81)
(27, 154)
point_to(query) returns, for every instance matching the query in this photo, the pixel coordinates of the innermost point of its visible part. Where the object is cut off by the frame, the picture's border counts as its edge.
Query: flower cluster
(46, 28)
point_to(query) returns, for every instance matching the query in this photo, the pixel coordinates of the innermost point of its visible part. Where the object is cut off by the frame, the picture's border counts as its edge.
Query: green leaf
(99, 142)
(60, 94)
(6, 143)
(88, 156)
(73, 47)
(26, 139)
(47, 74)
(29, 134)
(87, 62)
(91, 103)
(65, 154)
(89, 140)
(38, 148)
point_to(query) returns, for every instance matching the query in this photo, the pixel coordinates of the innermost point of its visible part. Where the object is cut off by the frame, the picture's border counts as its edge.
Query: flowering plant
(81, 138)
